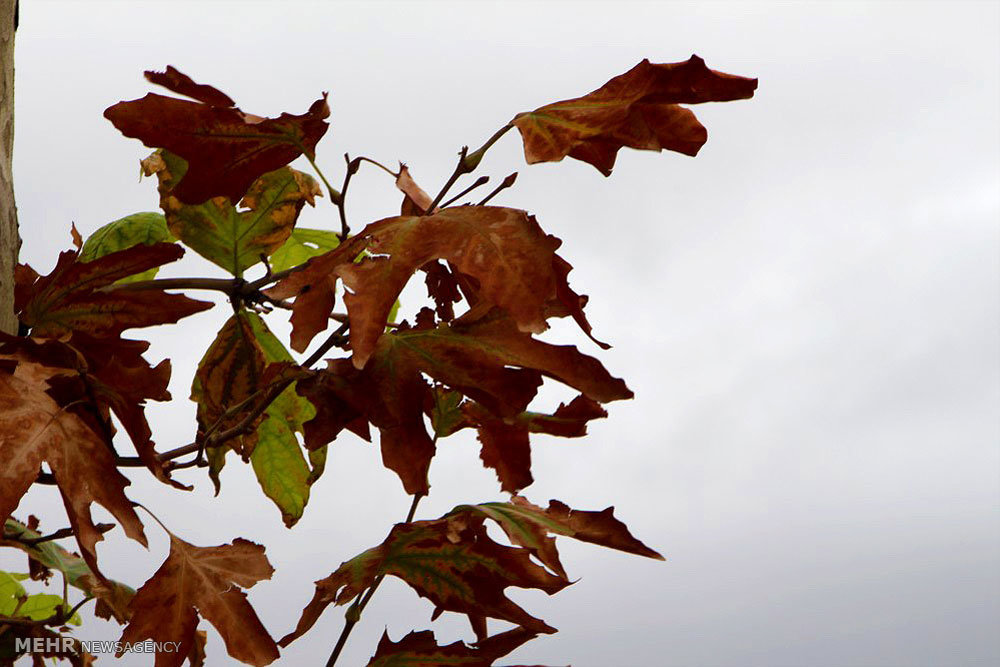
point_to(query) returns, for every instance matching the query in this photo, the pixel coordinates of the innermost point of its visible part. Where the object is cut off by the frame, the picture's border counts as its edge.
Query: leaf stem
(482, 180)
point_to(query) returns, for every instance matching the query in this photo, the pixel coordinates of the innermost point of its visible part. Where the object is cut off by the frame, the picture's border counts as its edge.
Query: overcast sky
(807, 312)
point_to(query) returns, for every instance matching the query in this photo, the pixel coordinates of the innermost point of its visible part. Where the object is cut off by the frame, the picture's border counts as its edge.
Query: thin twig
(353, 614)
(482, 180)
(467, 162)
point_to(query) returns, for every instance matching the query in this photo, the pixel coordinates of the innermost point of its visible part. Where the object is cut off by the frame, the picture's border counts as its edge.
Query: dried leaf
(226, 149)
(488, 360)
(529, 526)
(451, 562)
(638, 109)
(203, 581)
(36, 429)
(71, 298)
(420, 649)
(506, 446)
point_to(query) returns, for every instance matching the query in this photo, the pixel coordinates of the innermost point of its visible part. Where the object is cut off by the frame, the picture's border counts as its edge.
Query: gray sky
(807, 312)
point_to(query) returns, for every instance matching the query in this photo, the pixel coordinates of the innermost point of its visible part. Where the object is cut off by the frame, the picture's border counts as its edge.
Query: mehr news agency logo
(68, 644)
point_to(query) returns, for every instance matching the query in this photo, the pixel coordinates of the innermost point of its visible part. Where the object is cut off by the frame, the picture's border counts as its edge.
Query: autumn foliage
(471, 358)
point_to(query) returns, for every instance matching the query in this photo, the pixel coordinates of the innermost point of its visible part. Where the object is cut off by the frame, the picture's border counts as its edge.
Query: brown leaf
(530, 526)
(71, 298)
(638, 109)
(506, 446)
(420, 649)
(503, 249)
(415, 200)
(183, 85)
(226, 149)
(37, 428)
(451, 561)
(203, 581)
(113, 375)
(489, 361)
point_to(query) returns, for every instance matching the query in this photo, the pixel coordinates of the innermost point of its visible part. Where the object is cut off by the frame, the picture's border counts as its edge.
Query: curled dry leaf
(638, 109)
(203, 581)
(226, 149)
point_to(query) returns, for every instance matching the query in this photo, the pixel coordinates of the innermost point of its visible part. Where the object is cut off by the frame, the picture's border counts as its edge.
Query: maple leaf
(503, 249)
(233, 238)
(71, 298)
(505, 442)
(529, 526)
(111, 373)
(638, 109)
(203, 581)
(226, 149)
(488, 360)
(452, 563)
(420, 649)
(36, 429)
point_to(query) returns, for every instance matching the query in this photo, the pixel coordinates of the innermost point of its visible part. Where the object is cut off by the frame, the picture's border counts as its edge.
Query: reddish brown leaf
(203, 581)
(638, 109)
(112, 374)
(226, 149)
(314, 289)
(573, 302)
(183, 85)
(442, 286)
(37, 428)
(506, 446)
(451, 561)
(415, 200)
(71, 298)
(420, 649)
(504, 249)
(530, 526)
(488, 360)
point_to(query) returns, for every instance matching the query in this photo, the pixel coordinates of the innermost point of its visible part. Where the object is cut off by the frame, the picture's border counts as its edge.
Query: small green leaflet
(15, 601)
(145, 228)
(302, 245)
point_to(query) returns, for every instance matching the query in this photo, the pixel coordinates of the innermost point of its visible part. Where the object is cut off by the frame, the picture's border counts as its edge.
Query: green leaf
(302, 245)
(217, 230)
(145, 228)
(113, 596)
(37, 607)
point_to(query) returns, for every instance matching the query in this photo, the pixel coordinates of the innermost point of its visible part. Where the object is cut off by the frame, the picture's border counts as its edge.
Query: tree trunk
(10, 242)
